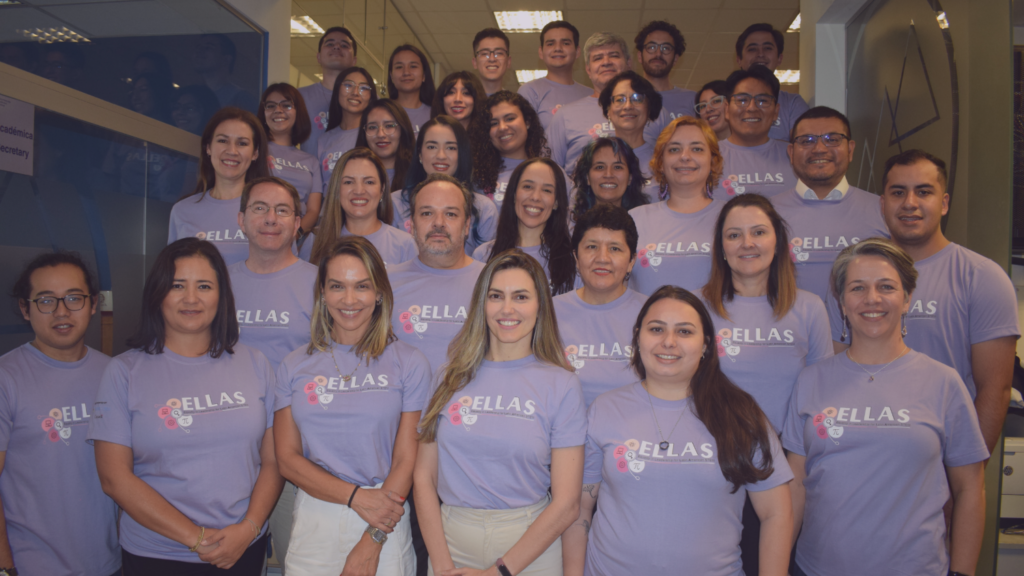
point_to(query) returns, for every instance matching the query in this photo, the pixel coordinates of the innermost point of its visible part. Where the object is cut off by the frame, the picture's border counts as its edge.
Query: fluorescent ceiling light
(51, 35)
(303, 26)
(788, 76)
(525, 21)
(941, 18)
(525, 76)
(795, 26)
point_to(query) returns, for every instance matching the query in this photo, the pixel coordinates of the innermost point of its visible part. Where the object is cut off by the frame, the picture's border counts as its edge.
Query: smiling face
(914, 202)
(188, 114)
(820, 164)
(336, 53)
(232, 149)
(377, 124)
(511, 311)
(558, 49)
(608, 177)
(873, 298)
(355, 93)
(269, 232)
(440, 152)
(604, 259)
(407, 72)
(361, 189)
(191, 305)
(714, 113)
(760, 48)
(491, 66)
(671, 342)
(439, 221)
(748, 240)
(658, 65)
(606, 62)
(61, 329)
(535, 196)
(686, 160)
(349, 297)
(458, 102)
(629, 116)
(280, 120)
(750, 121)
(509, 130)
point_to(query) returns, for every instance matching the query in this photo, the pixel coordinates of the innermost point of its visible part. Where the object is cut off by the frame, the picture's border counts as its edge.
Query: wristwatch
(376, 534)
(8, 572)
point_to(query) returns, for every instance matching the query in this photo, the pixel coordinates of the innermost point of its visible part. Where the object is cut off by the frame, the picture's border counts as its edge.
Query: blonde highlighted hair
(379, 334)
(657, 159)
(467, 350)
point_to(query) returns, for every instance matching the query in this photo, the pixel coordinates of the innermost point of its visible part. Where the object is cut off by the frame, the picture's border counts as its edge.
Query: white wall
(273, 16)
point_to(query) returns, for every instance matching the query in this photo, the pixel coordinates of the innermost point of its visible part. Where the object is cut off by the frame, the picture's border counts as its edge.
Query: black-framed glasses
(497, 53)
(349, 86)
(831, 140)
(762, 101)
(715, 102)
(652, 47)
(285, 105)
(636, 98)
(262, 209)
(389, 128)
(48, 304)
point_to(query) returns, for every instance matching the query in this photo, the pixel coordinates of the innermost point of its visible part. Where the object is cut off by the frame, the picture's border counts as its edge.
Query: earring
(903, 322)
(704, 353)
(846, 322)
(380, 300)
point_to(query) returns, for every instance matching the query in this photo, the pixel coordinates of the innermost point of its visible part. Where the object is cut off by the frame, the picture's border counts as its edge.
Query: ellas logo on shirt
(577, 355)
(320, 120)
(279, 164)
(601, 131)
(57, 424)
(178, 413)
(831, 422)
(737, 183)
(330, 160)
(417, 319)
(729, 340)
(254, 318)
(464, 412)
(633, 455)
(222, 236)
(650, 255)
(923, 309)
(800, 248)
(321, 389)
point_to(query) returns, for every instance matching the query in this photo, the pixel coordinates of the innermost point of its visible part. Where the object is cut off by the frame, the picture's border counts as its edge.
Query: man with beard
(659, 45)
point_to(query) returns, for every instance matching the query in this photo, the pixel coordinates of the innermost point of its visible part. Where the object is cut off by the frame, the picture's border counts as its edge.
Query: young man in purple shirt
(763, 44)
(753, 161)
(559, 49)
(335, 53)
(825, 214)
(491, 58)
(659, 45)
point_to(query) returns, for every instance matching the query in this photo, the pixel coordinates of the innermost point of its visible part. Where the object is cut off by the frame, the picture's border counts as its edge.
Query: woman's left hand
(232, 543)
(492, 571)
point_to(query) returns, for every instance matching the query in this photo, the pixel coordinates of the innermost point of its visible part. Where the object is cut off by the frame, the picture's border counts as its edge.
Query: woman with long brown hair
(385, 129)
(457, 96)
(353, 92)
(411, 84)
(674, 455)
(504, 426)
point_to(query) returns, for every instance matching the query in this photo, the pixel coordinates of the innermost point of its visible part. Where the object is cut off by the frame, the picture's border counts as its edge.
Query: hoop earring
(903, 322)
(846, 323)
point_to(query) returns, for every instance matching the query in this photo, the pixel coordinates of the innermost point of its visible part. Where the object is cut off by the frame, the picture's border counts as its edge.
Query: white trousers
(324, 533)
(476, 538)
(281, 522)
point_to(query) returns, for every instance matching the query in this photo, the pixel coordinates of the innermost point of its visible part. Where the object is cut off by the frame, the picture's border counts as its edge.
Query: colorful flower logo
(459, 413)
(173, 416)
(410, 320)
(825, 425)
(316, 392)
(55, 428)
(626, 458)
(796, 251)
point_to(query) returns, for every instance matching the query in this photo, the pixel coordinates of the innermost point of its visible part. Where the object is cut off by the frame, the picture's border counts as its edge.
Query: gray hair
(881, 247)
(599, 39)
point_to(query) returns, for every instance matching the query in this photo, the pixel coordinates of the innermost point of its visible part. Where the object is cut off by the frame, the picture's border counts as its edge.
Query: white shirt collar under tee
(836, 194)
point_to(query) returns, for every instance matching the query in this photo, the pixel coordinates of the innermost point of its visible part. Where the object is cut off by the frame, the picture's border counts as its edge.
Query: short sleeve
(266, 371)
(781, 472)
(283, 386)
(8, 409)
(992, 304)
(962, 438)
(797, 109)
(819, 338)
(318, 179)
(793, 427)
(593, 462)
(172, 226)
(488, 223)
(653, 130)
(569, 420)
(416, 380)
(556, 139)
(835, 318)
(111, 419)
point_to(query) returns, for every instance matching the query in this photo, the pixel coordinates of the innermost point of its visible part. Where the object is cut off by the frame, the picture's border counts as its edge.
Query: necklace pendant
(663, 445)
(871, 379)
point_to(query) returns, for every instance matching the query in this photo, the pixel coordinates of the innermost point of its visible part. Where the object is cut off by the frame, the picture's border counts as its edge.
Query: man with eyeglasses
(762, 44)
(825, 214)
(559, 49)
(335, 53)
(491, 58)
(580, 122)
(659, 46)
(273, 291)
(753, 162)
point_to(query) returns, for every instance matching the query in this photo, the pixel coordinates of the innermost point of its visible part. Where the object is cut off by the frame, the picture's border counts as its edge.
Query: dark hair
(161, 66)
(334, 110)
(302, 126)
(821, 112)
(781, 273)
(343, 30)
(292, 192)
(777, 35)
(911, 157)
(464, 168)
(22, 289)
(585, 199)
(487, 161)
(163, 92)
(470, 82)
(561, 24)
(227, 48)
(756, 72)
(151, 332)
(732, 416)
(489, 33)
(427, 87)
(406, 145)
(203, 96)
(555, 241)
(608, 217)
(258, 168)
(640, 85)
(468, 197)
(719, 87)
(660, 26)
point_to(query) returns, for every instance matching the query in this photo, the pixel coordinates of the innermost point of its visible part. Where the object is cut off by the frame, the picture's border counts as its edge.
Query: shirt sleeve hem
(966, 459)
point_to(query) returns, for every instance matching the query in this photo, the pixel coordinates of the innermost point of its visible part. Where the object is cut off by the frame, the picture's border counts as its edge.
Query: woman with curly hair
(457, 96)
(629, 102)
(608, 172)
(385, 129)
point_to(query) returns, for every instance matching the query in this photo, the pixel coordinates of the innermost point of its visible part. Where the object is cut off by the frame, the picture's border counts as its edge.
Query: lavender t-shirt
(195, 427)
(431, 305)
(274, 310)
(501, 186)
(208, 218)
(331, 147)
(659, 510)
(876, 456)
(580, 122)
(763, 355)
(486, 226)
(547, 96)
(791, 107)
(962, 298)
(418, 117)
(762, 169)
(598, 339)
(298, 168)
(367, 396)
(644, 154)
(674, 248)
(495, 438)
(821, 229)
(678, 102)
(318, 102)
(59, 521)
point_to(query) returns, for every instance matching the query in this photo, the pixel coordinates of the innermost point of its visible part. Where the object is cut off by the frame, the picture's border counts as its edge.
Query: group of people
(680, 340)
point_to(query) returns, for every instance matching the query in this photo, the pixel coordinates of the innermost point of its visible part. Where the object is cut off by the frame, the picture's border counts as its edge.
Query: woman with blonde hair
(504, 426)
(358, 204)
(355, 381)
(676, 233)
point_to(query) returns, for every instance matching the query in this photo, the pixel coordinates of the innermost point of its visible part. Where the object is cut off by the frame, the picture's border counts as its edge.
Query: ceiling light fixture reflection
(795, 26)
(788, 76)
(51, 35)
(526, 20)
(304, 26)
(525, 76)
